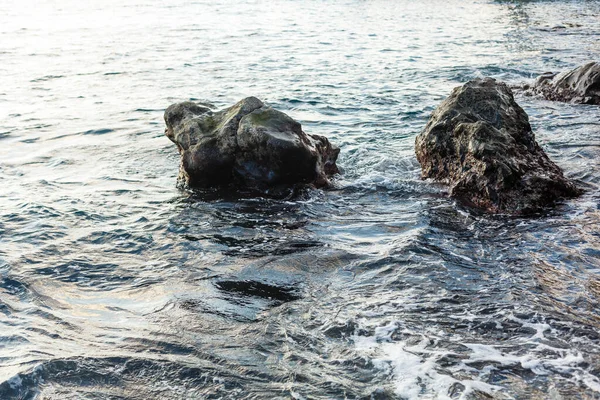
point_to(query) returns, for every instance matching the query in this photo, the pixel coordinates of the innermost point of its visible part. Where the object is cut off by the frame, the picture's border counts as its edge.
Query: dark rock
(479, 142)
(278, 294)
(581, 85)
(249, 144)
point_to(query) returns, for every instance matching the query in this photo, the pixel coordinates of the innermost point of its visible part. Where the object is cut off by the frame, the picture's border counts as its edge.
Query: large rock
(581, 85)
(249, 144)
(479, 142)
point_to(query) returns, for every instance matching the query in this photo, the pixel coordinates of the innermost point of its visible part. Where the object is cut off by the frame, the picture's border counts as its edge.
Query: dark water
(117, 285)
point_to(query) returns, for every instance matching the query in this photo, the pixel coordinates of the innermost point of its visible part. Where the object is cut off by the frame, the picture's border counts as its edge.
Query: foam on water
(416, 364)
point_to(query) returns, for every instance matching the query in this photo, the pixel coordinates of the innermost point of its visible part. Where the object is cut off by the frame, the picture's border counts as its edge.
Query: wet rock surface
(580, 85)
(250, 145)
(480, 143)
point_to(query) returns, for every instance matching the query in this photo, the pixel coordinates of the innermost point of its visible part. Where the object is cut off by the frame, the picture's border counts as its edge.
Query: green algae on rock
(249, 144)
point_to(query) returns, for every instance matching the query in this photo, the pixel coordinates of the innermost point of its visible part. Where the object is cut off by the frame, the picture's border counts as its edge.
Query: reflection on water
(114, 284)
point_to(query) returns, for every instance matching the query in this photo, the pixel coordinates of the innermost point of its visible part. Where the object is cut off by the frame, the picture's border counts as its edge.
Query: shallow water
(117, 285)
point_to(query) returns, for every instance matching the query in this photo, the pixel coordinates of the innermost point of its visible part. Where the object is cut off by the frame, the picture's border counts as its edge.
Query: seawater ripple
(114, 284)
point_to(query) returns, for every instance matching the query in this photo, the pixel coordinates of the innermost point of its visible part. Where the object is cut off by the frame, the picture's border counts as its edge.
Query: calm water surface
(114, 284)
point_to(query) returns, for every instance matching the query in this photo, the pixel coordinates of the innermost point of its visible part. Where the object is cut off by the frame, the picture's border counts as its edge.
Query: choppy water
(117, 285)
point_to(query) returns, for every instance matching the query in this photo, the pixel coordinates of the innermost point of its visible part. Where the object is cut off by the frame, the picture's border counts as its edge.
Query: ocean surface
(115, 284)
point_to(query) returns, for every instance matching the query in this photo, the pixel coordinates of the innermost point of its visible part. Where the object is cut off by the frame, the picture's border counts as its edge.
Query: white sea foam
(418, 373)
(414, 367)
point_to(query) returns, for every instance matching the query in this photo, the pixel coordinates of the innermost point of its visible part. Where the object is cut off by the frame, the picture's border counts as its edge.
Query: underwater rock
(249, 144)
(479, 141)
(580, 85)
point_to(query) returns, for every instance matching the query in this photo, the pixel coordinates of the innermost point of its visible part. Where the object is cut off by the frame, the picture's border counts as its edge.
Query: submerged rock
(249, 144)
(580, 85)
(479, 142)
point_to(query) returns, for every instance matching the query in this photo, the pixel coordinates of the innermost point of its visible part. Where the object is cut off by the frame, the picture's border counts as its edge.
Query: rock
(479, 142)
(581, 85)
(249, 144)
